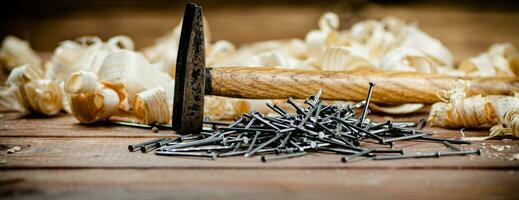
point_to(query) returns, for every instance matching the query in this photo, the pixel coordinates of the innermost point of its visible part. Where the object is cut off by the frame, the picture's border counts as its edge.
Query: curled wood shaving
(151, 106)
(16, 52)
(44, 96)
(27, 91)
(327, 35)
(400, 109)
(407, 59)
(340, 58)
(374, 36)
(132, 70)
(221, 108)
(85, 54)
(81, 82)
(501, 59)
(165, 50)
(126, 81)
(96, 106)
(416, 39)
(219, 51)
(459, 111)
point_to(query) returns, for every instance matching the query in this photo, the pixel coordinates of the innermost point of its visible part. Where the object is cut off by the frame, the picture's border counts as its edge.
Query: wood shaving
(151, 106)
(460, 111)
(27, 91)
(14, 150)
(16, 52)
(501, 59)
(97, 79)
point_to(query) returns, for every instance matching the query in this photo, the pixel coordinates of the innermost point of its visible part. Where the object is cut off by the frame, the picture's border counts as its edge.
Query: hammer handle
(391, 87)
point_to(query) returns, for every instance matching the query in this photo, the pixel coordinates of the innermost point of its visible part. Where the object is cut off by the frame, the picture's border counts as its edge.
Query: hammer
(193, 80)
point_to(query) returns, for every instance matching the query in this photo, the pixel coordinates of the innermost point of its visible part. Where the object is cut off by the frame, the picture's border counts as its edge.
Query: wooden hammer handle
(391, 87)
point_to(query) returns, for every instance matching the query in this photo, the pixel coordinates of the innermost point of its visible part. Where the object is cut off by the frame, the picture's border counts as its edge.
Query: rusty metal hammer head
(188, 103)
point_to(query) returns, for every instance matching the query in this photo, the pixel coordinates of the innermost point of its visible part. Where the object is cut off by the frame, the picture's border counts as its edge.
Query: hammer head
(188, 103)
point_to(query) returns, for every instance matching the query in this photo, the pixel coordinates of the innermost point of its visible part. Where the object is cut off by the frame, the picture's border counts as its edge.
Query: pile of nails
(315, 127)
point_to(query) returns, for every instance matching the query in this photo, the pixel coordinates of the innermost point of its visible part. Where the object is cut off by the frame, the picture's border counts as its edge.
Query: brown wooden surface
(62, 159)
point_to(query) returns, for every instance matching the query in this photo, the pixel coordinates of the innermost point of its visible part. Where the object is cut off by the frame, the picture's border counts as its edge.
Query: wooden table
(61, 159)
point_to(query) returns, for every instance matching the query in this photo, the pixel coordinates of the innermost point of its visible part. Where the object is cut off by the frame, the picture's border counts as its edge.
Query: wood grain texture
(61, 159)
(391, 87)
(258, 184)
(66, 126)
(73, 153)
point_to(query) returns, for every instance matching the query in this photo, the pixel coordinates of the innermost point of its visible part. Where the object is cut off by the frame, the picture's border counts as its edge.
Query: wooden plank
(259, 184)
(65, 125)
(112, 153)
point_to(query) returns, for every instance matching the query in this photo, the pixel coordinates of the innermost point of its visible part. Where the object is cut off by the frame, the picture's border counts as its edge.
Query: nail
(135, 125)
(404, 124)
(400, 151)
(264, 121)
(261, 146)
(228, 140)
(421, 124)
(215, 148)
(299, 110)
(452, 146)
(308, 114)
(211, 155)
(338, 151)
(430, 155)
(135, 147)
(246, 129)
(149, 147)
(348, 158)
(381, 125)
(236, 153)
(461, 153)
(296, 145)
(285, 140)
(365, 111)
(280, 112)
(315, 98)
(373, 136)
(404, 138)
(284, 156)
(253, 141)
(194, 143)
(445, 139)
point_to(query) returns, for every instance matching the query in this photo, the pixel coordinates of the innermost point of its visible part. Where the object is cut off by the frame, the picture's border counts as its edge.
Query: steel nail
(284, 156)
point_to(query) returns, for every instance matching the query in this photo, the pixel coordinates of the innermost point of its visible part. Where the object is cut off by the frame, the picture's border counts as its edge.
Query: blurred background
(466, 27)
